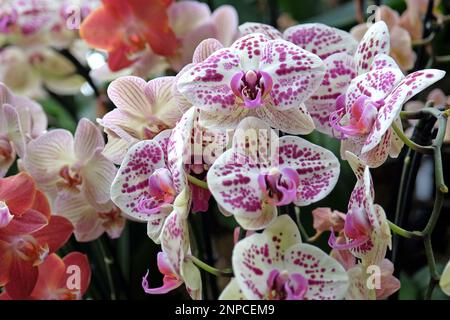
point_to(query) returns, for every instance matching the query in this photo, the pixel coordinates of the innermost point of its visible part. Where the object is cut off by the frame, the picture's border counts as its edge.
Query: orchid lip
(361, 116)
(285, 286)
(251, 87)
(279, 186)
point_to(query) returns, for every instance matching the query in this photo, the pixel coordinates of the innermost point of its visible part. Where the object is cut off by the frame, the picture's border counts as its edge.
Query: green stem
(217, 272)
(108, 261)
(430, 258)
(411, 144)
(442, 59)
(404, 233)
(197, 182)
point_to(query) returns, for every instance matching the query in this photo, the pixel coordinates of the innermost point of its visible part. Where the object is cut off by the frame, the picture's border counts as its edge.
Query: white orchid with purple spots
(250, 184)
(276, 265)
(366, 229)
(256, 76)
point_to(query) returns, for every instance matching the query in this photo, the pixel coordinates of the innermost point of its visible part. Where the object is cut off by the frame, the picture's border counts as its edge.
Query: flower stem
(197, 182)
(214, 271)
(108, 262)
(411, 144)
(404, 233)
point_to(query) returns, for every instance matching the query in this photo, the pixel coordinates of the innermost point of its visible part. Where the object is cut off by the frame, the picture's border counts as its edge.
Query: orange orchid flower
(28, 234)
(124, 28)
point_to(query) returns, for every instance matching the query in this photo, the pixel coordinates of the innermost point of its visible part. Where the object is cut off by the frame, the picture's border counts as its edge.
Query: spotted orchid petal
(375, 84)
(279, 248)
(317, 167)
(383, 61)
(130, 189)
(296, 73)
(340, 70)
(192, 279)
(250, 48)
(321, 39)
(207, 83)
(375, 41)
(405, 90)
(293, 121)
(254, 27)
(232, 291)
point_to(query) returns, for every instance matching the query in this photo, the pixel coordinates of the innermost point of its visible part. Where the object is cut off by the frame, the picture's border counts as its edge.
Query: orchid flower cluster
(223, 130)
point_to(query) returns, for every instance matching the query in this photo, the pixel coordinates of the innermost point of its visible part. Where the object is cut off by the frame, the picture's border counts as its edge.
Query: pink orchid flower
(144, 109)
(358, 289)
(90, 222)
(412, 18)
(341, 68)
(250, 183)
(193, 22)
(64, 165)
(144, 187)
(371, 104)
(21, 120)
(366, 230)
(174, 261)
(400, 40)
(324, 219)
(276, 265)
(54, 275)
(256, 76)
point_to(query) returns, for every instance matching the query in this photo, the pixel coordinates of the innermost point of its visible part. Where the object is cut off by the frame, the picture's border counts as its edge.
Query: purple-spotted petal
(207, 84)
(130, 190)
(296, 120)
(340, 70)
(234, 185)
(327, 279)
(250, 48)
(375, 84)
(254, 27)
(296, 73)
(378, 155)
(383, 61)
(317, 167)
(375, 41)
(232, 291)
(321, 39)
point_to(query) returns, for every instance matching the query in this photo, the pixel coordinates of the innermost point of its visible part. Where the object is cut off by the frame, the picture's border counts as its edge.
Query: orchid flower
(366, 229)
(256, 76)
(64, 165)
(29, 236)
(342, 67)
(324, 219)
(27, 70)
(21, 120)
(144, 109)
(125, 28)
(192, 22)
(276, 265)
(90, 222)
(174, 261)
(359, 289)
(400, 40)
(147, 183)
(256, 175)
(371, 104)
(54, 276)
